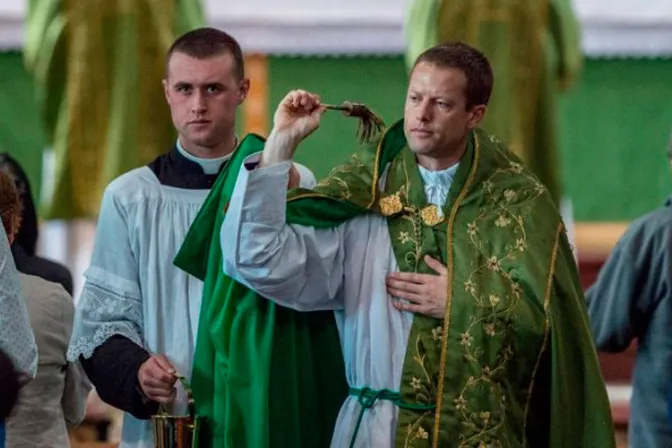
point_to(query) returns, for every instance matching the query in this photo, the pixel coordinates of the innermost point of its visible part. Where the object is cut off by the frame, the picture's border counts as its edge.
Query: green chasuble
(511, 364)
(534, 49)
(98, 66)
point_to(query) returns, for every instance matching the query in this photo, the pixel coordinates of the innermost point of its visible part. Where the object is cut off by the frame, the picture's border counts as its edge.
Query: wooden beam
(597, 239)
(255, 107)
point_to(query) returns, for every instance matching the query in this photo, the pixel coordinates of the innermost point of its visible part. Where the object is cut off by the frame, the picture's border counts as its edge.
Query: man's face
(203, 95)
(436, 119)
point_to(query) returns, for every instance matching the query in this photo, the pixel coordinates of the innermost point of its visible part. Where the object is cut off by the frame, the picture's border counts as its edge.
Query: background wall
(615, 123)
(20, 130)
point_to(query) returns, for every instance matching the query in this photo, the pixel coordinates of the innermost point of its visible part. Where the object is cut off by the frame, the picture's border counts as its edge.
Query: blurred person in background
(9, 391)
(25, 243)
(56, 398)
(631, 300)
(17, 342)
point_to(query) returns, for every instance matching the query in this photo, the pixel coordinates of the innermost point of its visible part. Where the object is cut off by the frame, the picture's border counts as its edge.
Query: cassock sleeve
(296, 266)
(108, 327)
(113, 369)
(630, 285)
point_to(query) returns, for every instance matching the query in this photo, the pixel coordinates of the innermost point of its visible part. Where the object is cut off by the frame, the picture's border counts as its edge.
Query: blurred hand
(157, 379)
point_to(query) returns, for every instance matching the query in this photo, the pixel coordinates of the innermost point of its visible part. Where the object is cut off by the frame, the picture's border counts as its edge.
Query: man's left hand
(427, 293)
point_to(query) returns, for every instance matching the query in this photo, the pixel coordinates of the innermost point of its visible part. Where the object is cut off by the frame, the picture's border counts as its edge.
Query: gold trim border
(547, 325)
(449, 300)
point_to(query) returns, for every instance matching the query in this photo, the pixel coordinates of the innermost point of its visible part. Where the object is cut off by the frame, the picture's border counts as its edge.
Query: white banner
(611, 28)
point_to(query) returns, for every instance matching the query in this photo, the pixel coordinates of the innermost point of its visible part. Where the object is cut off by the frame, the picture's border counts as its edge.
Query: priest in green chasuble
(454, 293)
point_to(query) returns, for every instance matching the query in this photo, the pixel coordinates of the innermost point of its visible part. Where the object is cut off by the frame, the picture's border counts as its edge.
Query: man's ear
(166, 89)
(243, 90)
(476, 115)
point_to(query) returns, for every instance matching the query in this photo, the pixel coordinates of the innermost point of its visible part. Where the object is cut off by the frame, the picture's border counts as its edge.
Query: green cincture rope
(367, 397)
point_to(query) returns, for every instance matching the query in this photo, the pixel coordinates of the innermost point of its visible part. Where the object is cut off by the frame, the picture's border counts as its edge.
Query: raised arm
(296, 266)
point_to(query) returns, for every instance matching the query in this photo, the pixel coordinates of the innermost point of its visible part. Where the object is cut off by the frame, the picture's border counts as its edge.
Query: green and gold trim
(449, 301)
(547, 303)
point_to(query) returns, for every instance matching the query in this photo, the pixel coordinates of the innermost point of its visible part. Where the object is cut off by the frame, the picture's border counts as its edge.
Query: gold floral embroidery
(431, 215)
(425, 390)
(413, 256)
(345, 192)
(336, 182)
(516, 167)
(404, 238)
(490, 282)
(422, 434)
(470, 287)
(493, 264)
(502, 221)
(391, 205)
(507, 209)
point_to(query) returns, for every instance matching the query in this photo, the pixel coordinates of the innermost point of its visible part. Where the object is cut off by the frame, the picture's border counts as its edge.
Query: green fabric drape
(512, 363)
(98, 67)
(263, 375)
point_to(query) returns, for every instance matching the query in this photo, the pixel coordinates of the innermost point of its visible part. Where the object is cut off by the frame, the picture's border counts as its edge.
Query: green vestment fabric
(534, 49)
(263, 375)
(98, 67)
(512, 363)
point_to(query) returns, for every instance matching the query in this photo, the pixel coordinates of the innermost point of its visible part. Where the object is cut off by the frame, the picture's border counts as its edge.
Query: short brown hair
(10, 204)
(470, 61)
(204, 43)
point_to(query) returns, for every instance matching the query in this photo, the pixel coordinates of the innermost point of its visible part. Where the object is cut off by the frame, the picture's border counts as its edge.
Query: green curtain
(614, 124)
(21, 132)
(98, 67)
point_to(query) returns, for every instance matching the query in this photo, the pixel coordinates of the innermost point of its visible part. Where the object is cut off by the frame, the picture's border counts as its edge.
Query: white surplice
(133, 289)
(341, 269)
